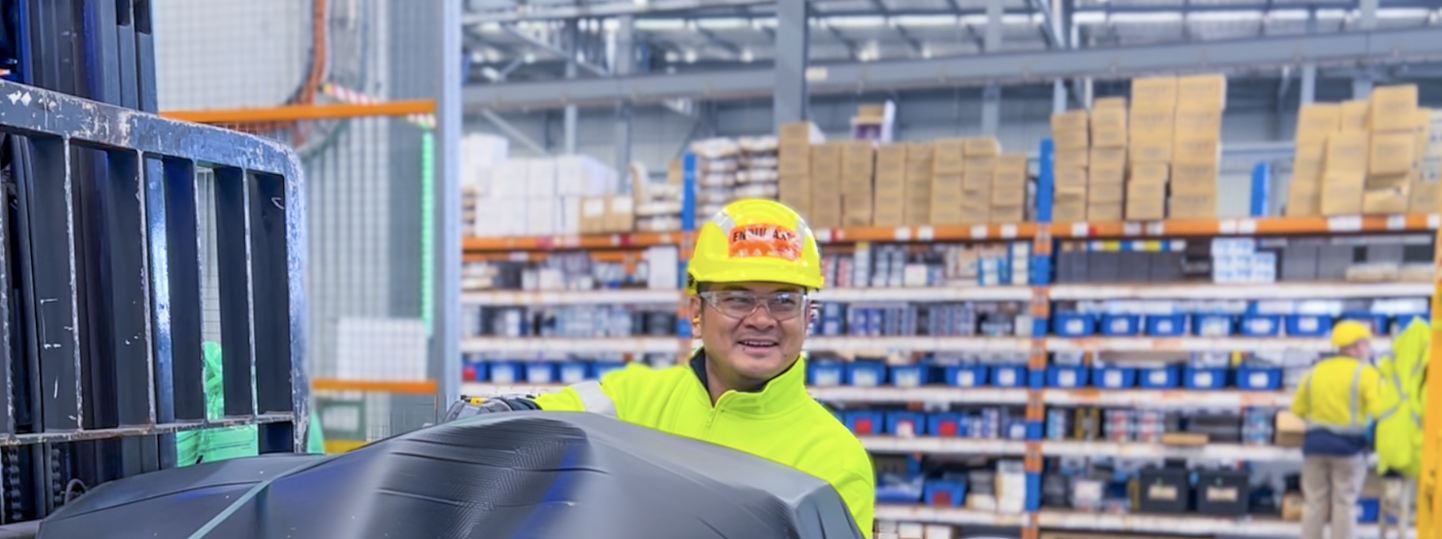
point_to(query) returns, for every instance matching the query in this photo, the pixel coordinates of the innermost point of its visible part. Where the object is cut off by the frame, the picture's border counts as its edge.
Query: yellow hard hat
(1348, 332)
(756, 240)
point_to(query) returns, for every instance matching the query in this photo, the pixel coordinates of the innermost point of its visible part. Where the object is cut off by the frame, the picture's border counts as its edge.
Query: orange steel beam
(304, 112)
(427, 387)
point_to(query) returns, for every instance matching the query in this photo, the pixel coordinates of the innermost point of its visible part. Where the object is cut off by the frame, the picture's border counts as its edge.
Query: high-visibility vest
(780, 422)
(1399, 429)
(1342, 395)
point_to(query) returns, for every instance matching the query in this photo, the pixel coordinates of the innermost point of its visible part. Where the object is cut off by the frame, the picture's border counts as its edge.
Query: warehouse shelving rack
(1035, 396)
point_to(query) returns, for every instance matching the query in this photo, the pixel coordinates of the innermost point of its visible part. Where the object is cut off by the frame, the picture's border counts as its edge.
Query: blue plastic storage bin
(945, 493)
(1167, 325)
(1121, 325)
(825, 373)
(1369, 510)
(866, 422)
(1259, 379)
(605, 368)
(1198, 378)
(541, 372)
(575, 372)
(1308, 325)
(1074, 324)
(508, 372)
(1261, 325)
(946, 424)
(1066, 377)
(1008, 375)
(910, 375)
(866, 373)
(904, 423)
(893, 488)
(966, 375)
(1213, 325)
(1114, 377)
(475, 371)
(1167, 377)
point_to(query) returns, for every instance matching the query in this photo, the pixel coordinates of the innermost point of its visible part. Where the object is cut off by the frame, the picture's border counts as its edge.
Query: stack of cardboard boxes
(952, 187)
(1364, 157)
(916, 210)
(825, 209)
(794, 154)
(889, 190)
(1107, 160)
(1197, 149)
(858, 167)
(1151, 133)
(1428, 188)
(1070, 131)
(982, 155)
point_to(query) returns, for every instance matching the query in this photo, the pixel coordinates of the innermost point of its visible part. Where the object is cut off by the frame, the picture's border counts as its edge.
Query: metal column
(446, 334)
(789, 103)
(991, 95)
(568, 129)
(1308, 88)
(624, 64)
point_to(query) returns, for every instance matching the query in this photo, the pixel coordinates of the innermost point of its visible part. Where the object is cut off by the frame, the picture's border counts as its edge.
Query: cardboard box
(1146, 190)
(1193, 206)
(986, 164)
(1392, 153)
(1105, 103)
(1008, 214)
(1386, 201)
(858, 158)
(978, 178)
(982, 147)
(945, 183)
(1194, 178)
(795, 192)
(1070, 130)
(794, 163)
(1347, 152)
(888, 209)
(1071, 158)
(1109, 211)
(1342, 192)
(1106, 193)
(825, 210)
(1138, 209)
(920, 152)
(1425, 197)
(891, 159)
(1008, 195)
(1157, 150)
(1071, 212)
(1147, 121)
(1293, 506)
(1010, 170)
(800, 133)
(1393, 108)
(1070, 178)
(621, 214)
(1317, 120)
(917, 212)
(593, 215)
(856, 210)
(1304, 201)
(1109, 127)
(1197, 149)
(1108, 157)
(1392, 181)
(826, 161)
(949, 157)
(973, 215)
(1198, 122)
(946, 207)
(856, 186)
(1202, 92)
(1108, 175)
(1152, 173)
(1154, 91)
(1354, 116)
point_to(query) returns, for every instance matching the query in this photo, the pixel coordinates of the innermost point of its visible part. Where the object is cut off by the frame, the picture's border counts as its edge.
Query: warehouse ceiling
(527, 39)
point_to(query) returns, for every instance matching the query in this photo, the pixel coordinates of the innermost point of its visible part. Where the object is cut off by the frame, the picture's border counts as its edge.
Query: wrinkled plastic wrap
(514, 475)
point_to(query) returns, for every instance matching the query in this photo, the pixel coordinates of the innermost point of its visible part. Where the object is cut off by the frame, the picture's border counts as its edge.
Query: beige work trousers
(1331, 486)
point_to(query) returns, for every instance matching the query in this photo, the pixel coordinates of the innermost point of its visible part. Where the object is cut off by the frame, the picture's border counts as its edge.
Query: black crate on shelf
(1299, 262)
(1223, 493)
(1164, 490)
(1135, 267)
(1104, 267)
(1166, 267)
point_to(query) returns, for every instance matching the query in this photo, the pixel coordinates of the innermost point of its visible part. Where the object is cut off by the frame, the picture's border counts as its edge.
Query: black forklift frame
(100, 256)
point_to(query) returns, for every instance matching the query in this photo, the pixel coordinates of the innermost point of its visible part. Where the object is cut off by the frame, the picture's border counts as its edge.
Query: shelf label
(902, 234)
(1344, 223)
(1080, 230)
(979, 232)
(520, 256)
(1434, 221)
(1247, 226)
(1008, 231)
(823, 235)
(1156, 228)
(1132, 229)
(1226, 227)
(925, 233)
(1396, 222)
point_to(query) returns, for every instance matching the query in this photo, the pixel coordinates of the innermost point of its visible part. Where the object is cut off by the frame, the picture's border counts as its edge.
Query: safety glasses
(739, 304)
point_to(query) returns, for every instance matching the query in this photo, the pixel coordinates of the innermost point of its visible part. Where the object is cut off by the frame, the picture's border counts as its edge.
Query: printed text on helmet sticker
(765, 240)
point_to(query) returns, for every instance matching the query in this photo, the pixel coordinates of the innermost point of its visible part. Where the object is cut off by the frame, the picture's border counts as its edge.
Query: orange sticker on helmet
(765, 240)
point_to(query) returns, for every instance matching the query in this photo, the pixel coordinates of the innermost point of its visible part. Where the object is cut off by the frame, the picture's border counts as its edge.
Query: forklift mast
(100, 259)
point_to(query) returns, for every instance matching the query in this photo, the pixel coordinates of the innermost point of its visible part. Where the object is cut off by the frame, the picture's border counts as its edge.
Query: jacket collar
(782, 393)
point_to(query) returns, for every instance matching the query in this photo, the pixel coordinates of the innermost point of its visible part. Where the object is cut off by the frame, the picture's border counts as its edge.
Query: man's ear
(695, 311)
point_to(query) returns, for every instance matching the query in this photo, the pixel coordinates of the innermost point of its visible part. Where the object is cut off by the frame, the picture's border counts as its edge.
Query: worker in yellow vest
(754, 265)
(1338, 398)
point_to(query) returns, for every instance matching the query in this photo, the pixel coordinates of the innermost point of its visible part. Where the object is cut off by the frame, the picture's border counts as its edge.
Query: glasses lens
(737, 304)
(785, 306)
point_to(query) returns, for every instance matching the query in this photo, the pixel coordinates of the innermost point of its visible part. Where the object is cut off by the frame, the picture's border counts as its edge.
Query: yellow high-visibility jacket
(781, 422)
(1399, 429)
(1339, 397)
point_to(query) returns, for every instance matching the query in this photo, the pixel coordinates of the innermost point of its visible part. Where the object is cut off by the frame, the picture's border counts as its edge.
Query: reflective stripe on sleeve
(594, 400)
(1356, 406)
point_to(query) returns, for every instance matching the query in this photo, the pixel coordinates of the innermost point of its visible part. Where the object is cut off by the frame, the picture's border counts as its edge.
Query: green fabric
(212, 445)
(781, 422)
(1399, 434)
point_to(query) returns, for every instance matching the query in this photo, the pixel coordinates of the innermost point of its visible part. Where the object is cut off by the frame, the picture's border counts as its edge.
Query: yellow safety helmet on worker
(1350, 332)
(756, 241)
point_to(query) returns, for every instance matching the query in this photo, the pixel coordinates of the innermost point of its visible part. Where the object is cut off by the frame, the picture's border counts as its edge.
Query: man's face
(1362, 350)
(755, 347)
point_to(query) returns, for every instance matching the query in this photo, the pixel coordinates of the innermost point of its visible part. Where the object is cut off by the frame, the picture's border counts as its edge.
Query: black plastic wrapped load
(514, 475)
